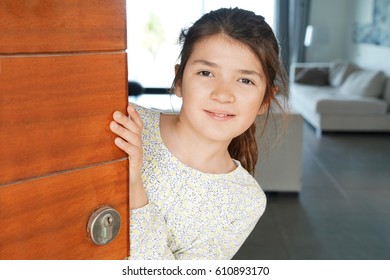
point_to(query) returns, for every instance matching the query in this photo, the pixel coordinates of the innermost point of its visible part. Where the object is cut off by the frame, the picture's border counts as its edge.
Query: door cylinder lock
(103, 225)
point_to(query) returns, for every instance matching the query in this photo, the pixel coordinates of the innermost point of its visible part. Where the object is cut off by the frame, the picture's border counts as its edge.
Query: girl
(192, 195)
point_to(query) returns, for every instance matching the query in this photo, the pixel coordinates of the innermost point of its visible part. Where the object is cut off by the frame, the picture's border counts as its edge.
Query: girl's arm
(147, 226)
(129, 130)
(150, 235)
(226, 238)
(221, 242)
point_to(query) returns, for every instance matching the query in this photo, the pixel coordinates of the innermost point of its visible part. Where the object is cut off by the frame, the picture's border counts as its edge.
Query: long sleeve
(152, 239)
(224, 242)
(148, 234)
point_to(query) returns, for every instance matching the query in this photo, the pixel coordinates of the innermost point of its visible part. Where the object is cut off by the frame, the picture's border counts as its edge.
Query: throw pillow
(363, 83)
(339, 71)
(318, 76)
(386, 94)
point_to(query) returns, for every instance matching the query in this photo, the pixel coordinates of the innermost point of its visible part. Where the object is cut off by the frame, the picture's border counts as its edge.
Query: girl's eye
(205, 73)
(246, 81)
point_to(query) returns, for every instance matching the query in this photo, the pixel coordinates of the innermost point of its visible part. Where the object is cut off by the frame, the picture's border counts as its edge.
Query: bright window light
(153, 27)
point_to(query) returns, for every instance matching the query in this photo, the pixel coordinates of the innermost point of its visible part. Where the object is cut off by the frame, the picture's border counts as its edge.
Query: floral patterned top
(190, 214)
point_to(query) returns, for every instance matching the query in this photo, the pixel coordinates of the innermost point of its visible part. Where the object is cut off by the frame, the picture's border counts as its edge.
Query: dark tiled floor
(343, 211)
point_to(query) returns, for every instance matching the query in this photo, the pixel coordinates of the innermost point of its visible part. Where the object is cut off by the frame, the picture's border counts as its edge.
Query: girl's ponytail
(244, 149)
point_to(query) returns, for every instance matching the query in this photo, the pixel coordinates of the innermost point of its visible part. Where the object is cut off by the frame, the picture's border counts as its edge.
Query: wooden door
(63, 73)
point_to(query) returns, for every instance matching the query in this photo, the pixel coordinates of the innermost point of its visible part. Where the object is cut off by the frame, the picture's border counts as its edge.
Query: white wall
(329, 18)
(366, 55)
(338, 18)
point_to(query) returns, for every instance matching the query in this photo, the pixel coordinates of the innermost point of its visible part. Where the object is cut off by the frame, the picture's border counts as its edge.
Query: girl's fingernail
(118, 141)
(117, 115)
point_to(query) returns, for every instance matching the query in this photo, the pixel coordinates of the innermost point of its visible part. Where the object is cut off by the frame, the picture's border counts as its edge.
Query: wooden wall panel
(55, 112)
(57, 25)
(63, 72)
(47, 218)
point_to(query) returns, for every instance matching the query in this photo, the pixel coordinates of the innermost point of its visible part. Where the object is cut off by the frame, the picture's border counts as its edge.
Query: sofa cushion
(326, 100)
(339, 71)
(313, 76)
(309, 95)
(363, 83)
(386, 93)
(351, 105)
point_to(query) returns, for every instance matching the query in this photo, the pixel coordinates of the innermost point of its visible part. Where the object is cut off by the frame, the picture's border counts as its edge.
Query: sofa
(340, 96)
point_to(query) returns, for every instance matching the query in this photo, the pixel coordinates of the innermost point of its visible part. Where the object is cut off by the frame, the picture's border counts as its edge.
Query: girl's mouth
(222, 116)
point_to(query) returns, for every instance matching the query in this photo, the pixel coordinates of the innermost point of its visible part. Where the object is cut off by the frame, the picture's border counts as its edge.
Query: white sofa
(340, 96)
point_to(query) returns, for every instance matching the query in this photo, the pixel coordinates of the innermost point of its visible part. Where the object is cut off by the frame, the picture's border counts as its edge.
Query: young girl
(192, 195)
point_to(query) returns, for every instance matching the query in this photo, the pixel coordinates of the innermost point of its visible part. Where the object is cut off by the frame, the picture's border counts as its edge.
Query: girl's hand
(129, 130)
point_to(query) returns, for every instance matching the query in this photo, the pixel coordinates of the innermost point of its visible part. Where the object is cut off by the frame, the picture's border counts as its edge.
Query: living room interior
(328, 191)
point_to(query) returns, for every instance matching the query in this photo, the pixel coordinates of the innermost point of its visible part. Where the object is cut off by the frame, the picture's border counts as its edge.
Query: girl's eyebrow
(205, 62)
(250, 72)
(212, 64)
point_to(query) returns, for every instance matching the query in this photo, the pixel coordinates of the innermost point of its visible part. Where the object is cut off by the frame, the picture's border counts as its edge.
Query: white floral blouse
(190, 214)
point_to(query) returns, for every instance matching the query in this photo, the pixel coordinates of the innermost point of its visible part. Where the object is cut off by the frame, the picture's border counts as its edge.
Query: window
(153, 28)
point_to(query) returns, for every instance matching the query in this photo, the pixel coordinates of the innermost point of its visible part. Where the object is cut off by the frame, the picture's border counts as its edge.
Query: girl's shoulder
(148, 116)
(244, 179)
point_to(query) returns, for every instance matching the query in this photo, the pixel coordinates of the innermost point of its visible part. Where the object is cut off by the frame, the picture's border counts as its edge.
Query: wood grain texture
(55, 112)
(47, 218)
(40, 26)
(63, 72)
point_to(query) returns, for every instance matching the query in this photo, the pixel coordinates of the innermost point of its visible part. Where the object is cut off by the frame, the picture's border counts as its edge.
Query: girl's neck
(193, 150)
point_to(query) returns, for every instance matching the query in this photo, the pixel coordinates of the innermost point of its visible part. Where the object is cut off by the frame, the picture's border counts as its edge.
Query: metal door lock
(103, 225)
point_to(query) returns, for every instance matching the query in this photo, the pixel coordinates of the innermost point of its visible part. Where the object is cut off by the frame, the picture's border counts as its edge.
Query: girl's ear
(177, 66)
(263, 108)
(265, 105)
(178, 82)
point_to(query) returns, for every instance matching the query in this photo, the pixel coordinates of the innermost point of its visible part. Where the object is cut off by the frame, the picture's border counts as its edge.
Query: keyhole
(104, 225)
(108, 221)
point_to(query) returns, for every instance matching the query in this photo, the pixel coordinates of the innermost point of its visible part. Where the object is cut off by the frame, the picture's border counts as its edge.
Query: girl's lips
(220, 115)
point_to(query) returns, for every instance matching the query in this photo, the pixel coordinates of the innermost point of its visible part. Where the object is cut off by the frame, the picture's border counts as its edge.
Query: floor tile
(343, 210)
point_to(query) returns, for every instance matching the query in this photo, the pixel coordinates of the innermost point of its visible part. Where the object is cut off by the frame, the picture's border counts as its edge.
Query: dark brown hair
(251, 30)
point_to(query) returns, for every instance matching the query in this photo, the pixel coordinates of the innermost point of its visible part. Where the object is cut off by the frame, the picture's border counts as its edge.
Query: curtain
(291, 20)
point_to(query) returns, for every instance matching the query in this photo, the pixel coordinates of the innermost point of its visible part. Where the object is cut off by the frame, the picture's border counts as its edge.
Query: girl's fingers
(134, 151)
(125, 133)
(126, 122)
(129, 130)
(132, 122)
(133, 114)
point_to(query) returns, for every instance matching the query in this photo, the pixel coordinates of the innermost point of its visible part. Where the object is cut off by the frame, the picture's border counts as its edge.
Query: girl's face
(222, 88)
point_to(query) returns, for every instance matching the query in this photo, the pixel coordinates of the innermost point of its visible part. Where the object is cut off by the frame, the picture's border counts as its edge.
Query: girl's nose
(223, 93)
